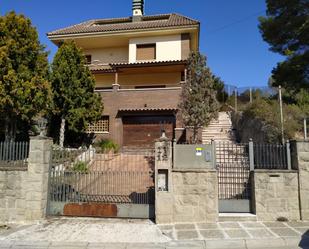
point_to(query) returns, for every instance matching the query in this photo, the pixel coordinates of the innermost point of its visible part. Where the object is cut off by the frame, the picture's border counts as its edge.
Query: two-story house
(139, 66)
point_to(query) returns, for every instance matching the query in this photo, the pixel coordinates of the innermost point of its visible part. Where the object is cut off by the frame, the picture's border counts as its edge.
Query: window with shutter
(145, 52)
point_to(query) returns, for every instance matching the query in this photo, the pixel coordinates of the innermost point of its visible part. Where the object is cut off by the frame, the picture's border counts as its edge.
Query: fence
(84, 176)
(240, 97)
(272, 156)
(14, 154)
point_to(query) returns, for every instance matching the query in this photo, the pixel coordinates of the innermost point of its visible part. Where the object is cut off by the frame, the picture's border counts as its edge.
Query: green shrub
(81, 167)
(261, 121)
(107, 145)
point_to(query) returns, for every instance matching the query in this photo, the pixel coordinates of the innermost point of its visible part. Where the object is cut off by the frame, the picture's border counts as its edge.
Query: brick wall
(136, 99)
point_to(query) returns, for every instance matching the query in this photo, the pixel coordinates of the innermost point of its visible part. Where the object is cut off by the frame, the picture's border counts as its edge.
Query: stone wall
(301, 159)
(276, 195)
(195, 196)
(23, 191)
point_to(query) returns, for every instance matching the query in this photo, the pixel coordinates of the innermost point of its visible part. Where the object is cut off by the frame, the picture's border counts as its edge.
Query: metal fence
(232, 161)
(272, 156)
(85, 176)
(14, 153)
(240, 97)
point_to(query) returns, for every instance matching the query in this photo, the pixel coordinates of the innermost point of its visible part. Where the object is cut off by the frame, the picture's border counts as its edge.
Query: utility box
(194, 156)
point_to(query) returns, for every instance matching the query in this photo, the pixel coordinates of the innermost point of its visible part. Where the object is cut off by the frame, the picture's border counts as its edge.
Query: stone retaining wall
(301, 159)
(276, 195)
(23, 191)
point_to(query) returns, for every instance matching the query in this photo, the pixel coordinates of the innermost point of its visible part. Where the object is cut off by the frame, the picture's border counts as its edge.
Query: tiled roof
(112, 66)
(105, 68)
(124, 24)
(146, 109)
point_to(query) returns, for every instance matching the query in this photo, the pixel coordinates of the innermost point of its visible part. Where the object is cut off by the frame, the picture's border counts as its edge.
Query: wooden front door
(142, 131)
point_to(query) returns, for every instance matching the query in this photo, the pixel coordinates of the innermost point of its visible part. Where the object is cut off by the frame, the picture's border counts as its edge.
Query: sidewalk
(86, 233)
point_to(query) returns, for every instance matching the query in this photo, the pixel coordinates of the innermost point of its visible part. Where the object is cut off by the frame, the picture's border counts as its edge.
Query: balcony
(125, 99)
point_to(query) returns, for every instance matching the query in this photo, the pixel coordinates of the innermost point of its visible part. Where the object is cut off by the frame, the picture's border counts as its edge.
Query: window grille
(100, 126)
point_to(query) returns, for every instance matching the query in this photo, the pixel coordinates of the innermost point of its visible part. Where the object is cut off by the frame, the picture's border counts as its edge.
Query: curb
(287, 242)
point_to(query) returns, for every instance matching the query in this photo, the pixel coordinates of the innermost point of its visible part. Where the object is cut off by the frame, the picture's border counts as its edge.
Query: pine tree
(73, 90)
(286, 29)
(24, 89)
(198, 104)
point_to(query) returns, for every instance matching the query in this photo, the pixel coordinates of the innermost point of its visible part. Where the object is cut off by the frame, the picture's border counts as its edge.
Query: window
(101, 126)
(145, 52)
(88, 59)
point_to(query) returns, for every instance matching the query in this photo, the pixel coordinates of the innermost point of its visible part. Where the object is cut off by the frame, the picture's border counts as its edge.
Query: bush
(261, 121)
(81, 167)
(107, 145)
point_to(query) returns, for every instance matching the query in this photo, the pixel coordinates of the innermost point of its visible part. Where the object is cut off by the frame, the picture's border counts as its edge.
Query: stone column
(300, 156)
(36, 184)
(164, 199)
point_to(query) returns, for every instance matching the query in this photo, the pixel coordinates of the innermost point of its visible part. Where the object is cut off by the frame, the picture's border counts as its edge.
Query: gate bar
(251, 154)
(288, 154)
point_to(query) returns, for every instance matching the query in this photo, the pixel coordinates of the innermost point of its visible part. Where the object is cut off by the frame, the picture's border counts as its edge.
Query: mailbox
(162, 180)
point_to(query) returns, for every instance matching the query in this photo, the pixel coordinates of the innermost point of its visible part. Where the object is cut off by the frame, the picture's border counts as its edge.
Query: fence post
(213, 143)
(251, 155)
(288, 154)
(236, 100)
(305, 128)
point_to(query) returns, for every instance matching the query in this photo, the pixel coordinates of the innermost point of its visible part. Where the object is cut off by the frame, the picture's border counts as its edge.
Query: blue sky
(229, 34)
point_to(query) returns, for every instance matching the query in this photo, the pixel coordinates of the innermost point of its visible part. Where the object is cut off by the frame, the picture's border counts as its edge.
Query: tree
(73, 90)
(24, 89)
(198, 103)
(286, 29)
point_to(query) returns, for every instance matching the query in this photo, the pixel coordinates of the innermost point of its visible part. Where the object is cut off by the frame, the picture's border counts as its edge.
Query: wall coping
(194, 170)
(13, 168)
(272, 171)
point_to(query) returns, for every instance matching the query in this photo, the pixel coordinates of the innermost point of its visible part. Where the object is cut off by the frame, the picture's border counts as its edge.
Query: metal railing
(240, 97)
(272, 156)
(14, 154)
(85, 176)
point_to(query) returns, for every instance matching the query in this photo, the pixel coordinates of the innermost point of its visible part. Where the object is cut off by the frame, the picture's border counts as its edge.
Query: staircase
(220, 129)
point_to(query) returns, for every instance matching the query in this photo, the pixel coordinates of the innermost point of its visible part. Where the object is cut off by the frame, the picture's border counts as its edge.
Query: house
(139, 66)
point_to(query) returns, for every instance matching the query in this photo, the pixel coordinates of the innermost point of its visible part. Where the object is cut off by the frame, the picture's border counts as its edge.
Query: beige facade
(167, 47)
(108, 55)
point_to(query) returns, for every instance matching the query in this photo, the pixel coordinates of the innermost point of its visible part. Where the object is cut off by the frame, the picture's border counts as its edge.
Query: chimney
(138, 10)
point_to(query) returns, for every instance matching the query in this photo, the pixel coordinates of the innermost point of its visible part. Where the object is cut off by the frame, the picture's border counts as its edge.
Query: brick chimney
(138, 10)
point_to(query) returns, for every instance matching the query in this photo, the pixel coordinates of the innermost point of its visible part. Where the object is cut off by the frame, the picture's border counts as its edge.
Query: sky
(229, 35)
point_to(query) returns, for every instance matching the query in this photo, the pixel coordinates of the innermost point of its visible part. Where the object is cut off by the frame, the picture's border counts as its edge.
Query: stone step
(227, 217)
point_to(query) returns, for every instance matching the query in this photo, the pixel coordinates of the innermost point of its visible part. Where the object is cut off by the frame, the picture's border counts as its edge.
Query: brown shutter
(146, 52)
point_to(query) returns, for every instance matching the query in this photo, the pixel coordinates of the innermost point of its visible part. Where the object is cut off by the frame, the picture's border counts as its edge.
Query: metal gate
(87, 183)
(233, 165)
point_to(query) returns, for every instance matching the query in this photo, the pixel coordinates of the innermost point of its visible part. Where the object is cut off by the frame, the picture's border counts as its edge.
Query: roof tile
(124, 24)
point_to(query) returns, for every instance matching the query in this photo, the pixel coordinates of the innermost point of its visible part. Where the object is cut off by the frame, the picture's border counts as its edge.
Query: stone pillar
(36, 188)
(164, 199)
(300, 156)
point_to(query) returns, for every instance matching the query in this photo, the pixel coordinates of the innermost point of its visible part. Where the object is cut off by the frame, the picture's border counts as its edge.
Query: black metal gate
(233, 165)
